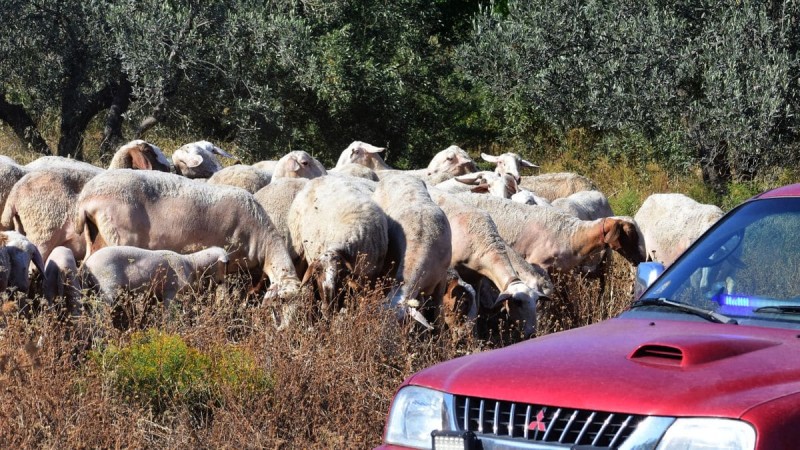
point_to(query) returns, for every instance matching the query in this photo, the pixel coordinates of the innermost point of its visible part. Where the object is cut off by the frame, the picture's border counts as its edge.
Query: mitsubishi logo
(538, 423)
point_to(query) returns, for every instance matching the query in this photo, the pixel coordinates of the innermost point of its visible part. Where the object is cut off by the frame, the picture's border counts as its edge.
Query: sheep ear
(293, 165)
(511, 184)
(218, 151)
(526, 163)
(192, 160)
(138, 159)
(489, 158)
(469, 178)
(613, 228)
(372, 149)
(313, 267)
(480, 189)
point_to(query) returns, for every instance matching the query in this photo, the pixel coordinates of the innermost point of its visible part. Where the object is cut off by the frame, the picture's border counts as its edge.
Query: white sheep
(298, 164)
(276, 198)
(41, 205)
(162, 274)
(60, 283)
(551, 186)
(419, 251)
(671, 222)
(138, 154)
(449, 162)
(242, 176)
(479, 251)
(21, 254)
(508, 163)
(340, 232)
(156, 210)
(363, 153)
(555, 240)
(10, 173)
(585, 205)
(198, 159)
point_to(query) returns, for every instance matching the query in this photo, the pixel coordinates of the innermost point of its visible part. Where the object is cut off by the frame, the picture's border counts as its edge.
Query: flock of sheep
(460, 244)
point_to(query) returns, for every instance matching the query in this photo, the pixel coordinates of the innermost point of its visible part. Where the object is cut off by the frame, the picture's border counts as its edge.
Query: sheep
(298, 164)
(508, 163)
(453, 161)
(362, 153)
(551, 186)
(419, 243)
(138, 154)
(10, 173)
(276, 198)
(242, 176)
(479, 251)
(54, 162)
(21, 253)
(41, 205)
(156, 210)
(61, 281)
(585, 205)
(339, 230)
(198, 159)
(163, 274)
(355, 170)
(671, 222)
(555, 240)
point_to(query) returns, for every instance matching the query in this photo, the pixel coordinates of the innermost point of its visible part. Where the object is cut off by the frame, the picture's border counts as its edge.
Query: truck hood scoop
(686, 351)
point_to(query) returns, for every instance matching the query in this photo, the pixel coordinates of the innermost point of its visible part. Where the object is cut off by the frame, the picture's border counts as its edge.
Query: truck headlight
(415, 413)
(708, 433)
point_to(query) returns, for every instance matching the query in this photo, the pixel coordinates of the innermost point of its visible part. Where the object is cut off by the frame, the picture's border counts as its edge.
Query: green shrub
(162, 371)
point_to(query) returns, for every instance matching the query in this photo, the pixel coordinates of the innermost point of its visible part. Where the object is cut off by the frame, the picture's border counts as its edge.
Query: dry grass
(331, 381)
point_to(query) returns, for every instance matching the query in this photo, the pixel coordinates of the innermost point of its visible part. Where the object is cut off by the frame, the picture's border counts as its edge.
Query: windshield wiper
(711, 316)
(779, 309)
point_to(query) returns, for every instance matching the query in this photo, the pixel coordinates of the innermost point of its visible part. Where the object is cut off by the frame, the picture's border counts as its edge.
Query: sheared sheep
(60, 283)
(508, 163)
(555, 240)
(340, 232)
(156, 210)
(41, 205)
(671, 223)
(419, 249)
(298, 164)
(479, 251)
(139, 154)
(551, 186)
(242, 176)
(198, 159)
(162, 274)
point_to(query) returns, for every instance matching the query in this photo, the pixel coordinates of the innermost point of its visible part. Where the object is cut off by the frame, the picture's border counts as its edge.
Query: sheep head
(509, 163)
(453, 160)
(362, 153)
(623, 235)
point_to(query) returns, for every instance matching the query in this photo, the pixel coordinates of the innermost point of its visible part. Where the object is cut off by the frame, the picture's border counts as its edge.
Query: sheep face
(624, 236)
(453, 160)
(298, 164)
(362, 153)
(139, 154)
(509, 163)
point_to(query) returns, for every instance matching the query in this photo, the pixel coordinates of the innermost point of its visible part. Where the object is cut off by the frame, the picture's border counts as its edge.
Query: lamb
(419, 244)
(298, 164)
(555, 240)
(156, 210)
(21, 253)
(551, 186)
(671, 222)
(61, 284)
(41, 205)
(242, 176)
(198, 159)
(508, 163)
(163, 274)
(340, 231)
(479, 251)
(139, 154)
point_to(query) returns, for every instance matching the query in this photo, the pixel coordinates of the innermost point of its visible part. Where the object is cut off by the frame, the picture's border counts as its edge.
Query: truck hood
(651, 367)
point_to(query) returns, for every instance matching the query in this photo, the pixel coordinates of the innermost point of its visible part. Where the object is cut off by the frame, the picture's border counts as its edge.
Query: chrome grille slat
(545, 424)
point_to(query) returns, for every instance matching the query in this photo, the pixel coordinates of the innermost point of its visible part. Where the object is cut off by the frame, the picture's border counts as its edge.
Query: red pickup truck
(706, 357)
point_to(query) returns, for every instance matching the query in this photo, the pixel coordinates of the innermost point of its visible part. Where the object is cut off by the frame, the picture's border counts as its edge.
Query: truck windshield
(747, 266)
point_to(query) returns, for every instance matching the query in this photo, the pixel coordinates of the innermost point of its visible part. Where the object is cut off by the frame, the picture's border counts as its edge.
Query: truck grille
(544, 424)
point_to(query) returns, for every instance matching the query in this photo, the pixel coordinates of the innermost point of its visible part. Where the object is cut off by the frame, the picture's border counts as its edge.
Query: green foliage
(161, 371)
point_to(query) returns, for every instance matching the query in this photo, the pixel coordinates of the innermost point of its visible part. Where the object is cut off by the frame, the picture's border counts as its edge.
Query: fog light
(454, 440)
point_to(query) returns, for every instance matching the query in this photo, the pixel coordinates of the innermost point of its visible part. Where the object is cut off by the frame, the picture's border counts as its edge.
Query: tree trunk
(715, 167)
(23, 125)
(77, 110)
(112, 133)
